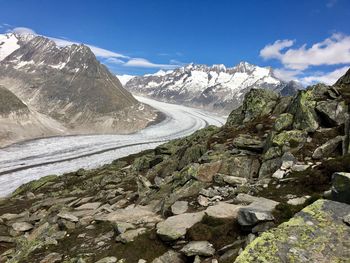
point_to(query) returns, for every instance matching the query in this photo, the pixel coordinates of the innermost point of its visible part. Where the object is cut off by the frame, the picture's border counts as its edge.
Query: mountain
(214, 88)
(271, 185)
(69, 86)
(124, 78)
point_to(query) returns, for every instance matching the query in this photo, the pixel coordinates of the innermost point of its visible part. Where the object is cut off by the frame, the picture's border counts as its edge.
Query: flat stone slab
(223, 210)
(175, 227)
(179, 207)
(135, 215)
(89, 206)
(315, 234)
(22, 226)
(68, 216)
(198, 248)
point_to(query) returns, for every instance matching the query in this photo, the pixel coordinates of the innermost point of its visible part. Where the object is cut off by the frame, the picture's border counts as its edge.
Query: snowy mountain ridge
(215, 87)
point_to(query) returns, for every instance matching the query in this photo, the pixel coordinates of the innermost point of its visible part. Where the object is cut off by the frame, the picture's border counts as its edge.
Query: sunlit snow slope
(21, 163)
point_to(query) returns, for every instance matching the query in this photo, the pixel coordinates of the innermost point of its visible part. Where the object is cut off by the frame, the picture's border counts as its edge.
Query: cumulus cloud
(144, 63)
(327, 78)
(332, 51)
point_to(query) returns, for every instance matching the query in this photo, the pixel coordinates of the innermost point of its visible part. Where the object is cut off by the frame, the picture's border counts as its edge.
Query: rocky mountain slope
(213, 88)
(272, 185)
(69, 86)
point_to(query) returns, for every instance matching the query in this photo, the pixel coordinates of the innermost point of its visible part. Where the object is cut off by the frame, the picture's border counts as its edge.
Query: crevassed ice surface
(23, 162)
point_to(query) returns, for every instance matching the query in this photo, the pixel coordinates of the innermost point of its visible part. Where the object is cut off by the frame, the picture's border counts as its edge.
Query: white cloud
(285, 74)
(273, 50)
(114, 61)
(99, 52)
(326, 78)
(144, 63)
(23, 30)
(332, 51)
(108, 56)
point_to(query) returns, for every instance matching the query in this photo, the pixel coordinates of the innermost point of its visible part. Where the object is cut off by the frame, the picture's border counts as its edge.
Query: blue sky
(145, 36)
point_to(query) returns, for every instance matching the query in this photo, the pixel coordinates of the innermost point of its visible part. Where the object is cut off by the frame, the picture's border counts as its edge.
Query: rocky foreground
(272, 185)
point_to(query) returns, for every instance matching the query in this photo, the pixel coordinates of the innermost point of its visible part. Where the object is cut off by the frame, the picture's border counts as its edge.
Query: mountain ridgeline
(68, 87)
(214, 88)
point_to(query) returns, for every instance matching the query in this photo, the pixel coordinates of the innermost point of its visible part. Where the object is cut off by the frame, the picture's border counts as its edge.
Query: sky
(304, 40)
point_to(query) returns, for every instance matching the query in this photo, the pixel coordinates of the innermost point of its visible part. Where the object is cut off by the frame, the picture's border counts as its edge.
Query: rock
(52, 258)
(6, 239)
(290, 139)
(268, 167)
(258, 103)
(89, 206)
(233, 180)
(316, 233)
(22, 226)
(202, 200)
(298, 200)
(130, 235)
(68, 216)
(34, 185)
(142, 261)
(222, 210)
(246, 199)
(341, 187)
(303, 109)
(122, 227)
(332, 112)
(283, 122)
(107, 260)
(200, 248)
(179, 207)
(241, 166)
(279, 174)
(299, 167)
(133, 215)
(346, 219)
(207, 171)
(288, 160)
(175, 227)
(262, 227)
(258, 211)
(326, 149)
(282, 105)
(170, 256)
(248, 142)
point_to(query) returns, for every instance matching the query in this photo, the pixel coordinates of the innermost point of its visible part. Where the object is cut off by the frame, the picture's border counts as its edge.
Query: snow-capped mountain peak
(212, 87)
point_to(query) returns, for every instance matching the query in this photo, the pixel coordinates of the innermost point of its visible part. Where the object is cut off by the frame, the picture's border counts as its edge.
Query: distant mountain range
(210, 87)
(61, 90)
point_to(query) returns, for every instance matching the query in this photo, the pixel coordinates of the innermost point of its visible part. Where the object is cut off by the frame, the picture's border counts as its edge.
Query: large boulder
(248, 142)
(241, 166)
(257, 103)
(316, 234)
(332, 112)
(283, 122)
(326, 149)
(269, 167)
(176, 226)
(290, 139)
(222, 210)
(303, 109)
(258, 211)
(341, 187)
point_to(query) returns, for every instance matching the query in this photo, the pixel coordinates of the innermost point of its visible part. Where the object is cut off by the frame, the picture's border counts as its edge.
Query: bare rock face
(68, 85)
